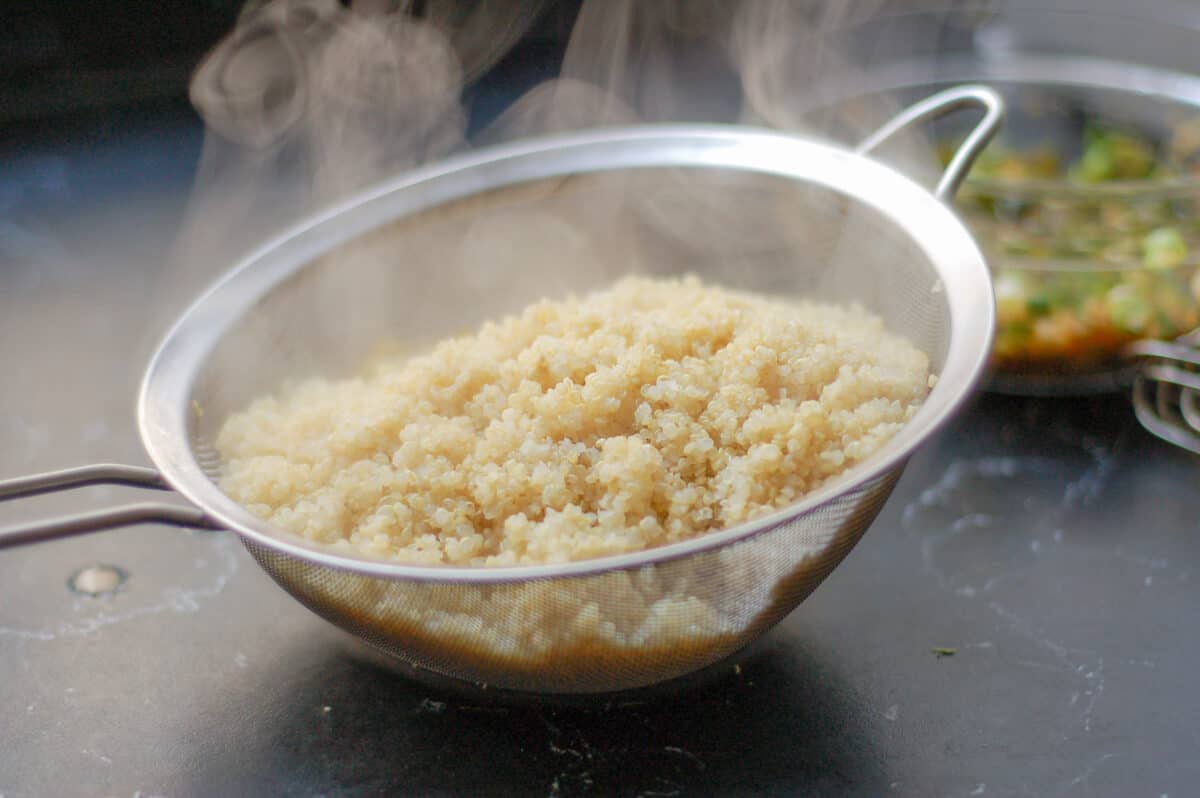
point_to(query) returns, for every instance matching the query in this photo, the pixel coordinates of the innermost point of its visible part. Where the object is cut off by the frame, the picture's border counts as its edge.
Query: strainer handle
(937, 106)
(96, 520)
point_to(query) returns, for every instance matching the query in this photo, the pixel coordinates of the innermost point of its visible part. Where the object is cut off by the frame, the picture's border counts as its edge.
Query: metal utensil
(1166, 390)
(592, 626)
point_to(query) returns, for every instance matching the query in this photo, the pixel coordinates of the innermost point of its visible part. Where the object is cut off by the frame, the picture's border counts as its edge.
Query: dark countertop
(1052, 544)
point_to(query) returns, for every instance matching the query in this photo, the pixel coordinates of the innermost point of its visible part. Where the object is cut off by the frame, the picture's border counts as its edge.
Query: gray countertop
(1052, 545)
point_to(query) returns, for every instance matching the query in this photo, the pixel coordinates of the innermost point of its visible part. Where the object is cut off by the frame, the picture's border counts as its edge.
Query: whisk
(1166, 391)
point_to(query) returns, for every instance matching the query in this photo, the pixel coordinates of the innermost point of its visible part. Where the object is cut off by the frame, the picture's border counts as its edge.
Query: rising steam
(308, 100)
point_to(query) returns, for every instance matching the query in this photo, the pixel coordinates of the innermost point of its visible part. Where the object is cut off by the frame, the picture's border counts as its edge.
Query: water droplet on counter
(97, 580)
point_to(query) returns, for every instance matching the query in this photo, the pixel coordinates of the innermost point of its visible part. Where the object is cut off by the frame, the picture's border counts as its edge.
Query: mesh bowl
(437, 251)
(598, 631)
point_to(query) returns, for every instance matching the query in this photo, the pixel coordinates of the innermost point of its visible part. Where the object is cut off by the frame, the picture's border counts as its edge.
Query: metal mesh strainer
(793, 216)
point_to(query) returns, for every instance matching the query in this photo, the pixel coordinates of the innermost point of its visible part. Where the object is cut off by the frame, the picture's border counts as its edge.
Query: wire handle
(1166, 390)
(96, 520)
(937, 106)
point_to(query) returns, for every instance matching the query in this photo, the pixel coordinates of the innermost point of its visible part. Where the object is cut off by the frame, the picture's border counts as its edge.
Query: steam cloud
(308, 100)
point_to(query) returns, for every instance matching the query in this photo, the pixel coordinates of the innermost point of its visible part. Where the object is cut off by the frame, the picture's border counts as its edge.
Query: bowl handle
(937, 106)
(96, 520)
(1166, 388)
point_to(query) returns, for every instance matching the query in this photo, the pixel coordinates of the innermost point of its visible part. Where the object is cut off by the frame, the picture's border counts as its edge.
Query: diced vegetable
(1081, 271)
(1130, 311)
(1164, 248)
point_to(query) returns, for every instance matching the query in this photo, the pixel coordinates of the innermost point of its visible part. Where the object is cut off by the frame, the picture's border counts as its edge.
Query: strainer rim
(164, 398)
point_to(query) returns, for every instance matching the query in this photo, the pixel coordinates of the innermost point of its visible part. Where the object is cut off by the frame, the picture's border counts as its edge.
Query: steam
(329, 97)
(340, 95)
(307, 101)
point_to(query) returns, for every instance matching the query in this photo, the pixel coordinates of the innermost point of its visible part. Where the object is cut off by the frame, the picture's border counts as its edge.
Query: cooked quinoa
(598, 631)
(648, 413)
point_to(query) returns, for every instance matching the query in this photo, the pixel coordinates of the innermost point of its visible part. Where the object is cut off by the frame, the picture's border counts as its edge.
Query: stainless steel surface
(750, 576)
(101, 474)
(938, 106)
(101, 521)
(97, 520)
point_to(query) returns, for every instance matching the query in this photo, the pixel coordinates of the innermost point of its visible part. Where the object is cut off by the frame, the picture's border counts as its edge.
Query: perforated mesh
(416, 281)
(595, 633)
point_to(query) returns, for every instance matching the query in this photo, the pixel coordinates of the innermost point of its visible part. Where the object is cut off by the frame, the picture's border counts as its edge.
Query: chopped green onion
(1039, 305)
(1097, 163)
(1164, 248)
(1129, 310)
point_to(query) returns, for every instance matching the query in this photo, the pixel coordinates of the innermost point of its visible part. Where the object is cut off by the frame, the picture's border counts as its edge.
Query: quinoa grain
(645, 414)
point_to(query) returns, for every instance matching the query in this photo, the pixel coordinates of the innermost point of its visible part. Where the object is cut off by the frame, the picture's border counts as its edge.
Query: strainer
(747, 208)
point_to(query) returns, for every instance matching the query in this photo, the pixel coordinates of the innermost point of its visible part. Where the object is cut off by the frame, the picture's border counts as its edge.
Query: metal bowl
(1075, 285)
